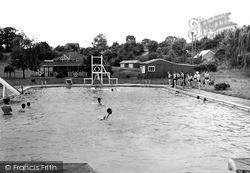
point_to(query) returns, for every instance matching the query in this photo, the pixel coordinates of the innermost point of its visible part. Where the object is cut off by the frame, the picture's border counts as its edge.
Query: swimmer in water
(28, 104)
(109, 111)
(23, 107)
(6, 108)
(99, 100)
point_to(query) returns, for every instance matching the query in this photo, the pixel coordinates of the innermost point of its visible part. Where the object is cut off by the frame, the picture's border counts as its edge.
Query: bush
(127, 72)
(212, 67)
(197, 60)
(221, 86)
(1, 56)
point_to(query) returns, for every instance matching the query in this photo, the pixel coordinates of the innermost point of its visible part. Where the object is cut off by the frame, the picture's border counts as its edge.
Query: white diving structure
(9, 87)
(98, 71)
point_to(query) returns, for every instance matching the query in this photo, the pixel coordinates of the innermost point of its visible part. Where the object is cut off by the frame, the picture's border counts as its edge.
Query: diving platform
(98, 71)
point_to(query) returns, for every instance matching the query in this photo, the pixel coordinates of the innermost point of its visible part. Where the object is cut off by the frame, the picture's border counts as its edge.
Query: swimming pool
(150, 130)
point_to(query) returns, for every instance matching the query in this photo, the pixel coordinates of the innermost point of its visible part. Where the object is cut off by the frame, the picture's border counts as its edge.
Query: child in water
(23, 107)
(99, 101)
(6, 108)
(109, 111)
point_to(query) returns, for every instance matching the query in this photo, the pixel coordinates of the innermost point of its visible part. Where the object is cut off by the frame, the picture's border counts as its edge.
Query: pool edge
(220, 101)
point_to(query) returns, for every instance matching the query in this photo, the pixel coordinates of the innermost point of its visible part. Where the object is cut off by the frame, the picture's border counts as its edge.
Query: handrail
(8, 86)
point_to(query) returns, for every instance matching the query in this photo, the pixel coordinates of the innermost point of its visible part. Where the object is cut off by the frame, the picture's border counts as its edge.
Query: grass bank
(239, 81)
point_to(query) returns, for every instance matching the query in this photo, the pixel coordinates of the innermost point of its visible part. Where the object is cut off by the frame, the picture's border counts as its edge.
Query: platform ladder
(98, 71)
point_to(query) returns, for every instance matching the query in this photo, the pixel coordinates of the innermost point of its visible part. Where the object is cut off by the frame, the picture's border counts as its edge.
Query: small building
(67, 65)
(130, 64)
(159, 68)
(205, 55)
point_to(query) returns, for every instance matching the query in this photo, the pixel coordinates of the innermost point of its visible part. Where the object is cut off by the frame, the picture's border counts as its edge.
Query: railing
(8, 86)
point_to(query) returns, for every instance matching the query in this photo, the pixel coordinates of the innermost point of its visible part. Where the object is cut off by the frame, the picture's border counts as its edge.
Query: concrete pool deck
(231, 101)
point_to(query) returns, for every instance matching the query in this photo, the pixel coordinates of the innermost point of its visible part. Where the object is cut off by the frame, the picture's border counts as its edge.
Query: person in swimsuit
(195, 79)
(182, 76)
(189, 80)
(178, 79)
(206, 77)
(169, 78)
(198, 76)
(174, 80)
(6, 108)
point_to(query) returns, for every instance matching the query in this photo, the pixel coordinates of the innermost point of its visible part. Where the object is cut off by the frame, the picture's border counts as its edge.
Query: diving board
(98, 71)
(9, 87)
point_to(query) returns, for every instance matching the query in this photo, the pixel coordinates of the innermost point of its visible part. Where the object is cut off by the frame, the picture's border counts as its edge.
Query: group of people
(181, 79)
(7, 110)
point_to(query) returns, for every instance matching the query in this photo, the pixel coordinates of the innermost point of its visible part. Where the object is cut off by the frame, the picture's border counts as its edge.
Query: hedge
(206, 67)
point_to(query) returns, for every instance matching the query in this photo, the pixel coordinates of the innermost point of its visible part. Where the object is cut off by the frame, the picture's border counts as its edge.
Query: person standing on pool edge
(198, 79)
(174, 80)
(169, 78)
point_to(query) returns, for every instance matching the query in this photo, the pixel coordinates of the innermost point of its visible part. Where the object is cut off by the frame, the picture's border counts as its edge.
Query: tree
(60, 48)
(248, 41)
(1, 56)
(20, 60)
(43, 51)
(153, 55)
(145, 42)
(9, 69)
(170, 39)
(7, 35)
(152, 46)
(171, 55)
(130, 39)
(178, 47)
(21, 41)
(100, 42)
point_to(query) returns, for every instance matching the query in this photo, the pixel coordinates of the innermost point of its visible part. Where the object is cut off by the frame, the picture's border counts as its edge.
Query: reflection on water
(150, 130)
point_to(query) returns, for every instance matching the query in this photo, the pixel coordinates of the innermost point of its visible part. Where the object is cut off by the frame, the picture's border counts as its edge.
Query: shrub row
(127, 73)
(221, 86)
(206, 67)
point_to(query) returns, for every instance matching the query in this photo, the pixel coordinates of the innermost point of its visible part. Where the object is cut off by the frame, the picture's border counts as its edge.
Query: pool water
(150, 130)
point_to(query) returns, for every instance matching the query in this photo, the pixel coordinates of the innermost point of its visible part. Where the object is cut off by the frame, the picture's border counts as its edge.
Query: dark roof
(71, 56)
(52, 64)
(74, 59)
(159, 59)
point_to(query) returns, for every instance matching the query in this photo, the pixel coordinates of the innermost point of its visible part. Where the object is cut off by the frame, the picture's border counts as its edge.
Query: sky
(78, 21)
